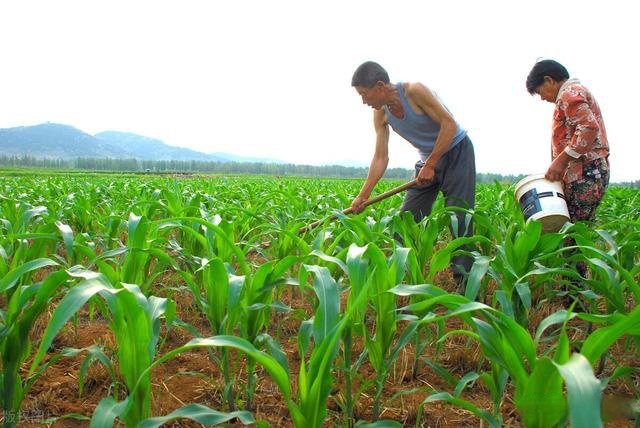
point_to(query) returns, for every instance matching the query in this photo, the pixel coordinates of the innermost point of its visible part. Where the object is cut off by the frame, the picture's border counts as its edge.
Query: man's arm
(421, 96)
(378, 163)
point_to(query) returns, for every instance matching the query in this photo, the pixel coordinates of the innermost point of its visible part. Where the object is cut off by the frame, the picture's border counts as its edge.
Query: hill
(51, 140)
(140, 147)
(58, 141)
(229, 157)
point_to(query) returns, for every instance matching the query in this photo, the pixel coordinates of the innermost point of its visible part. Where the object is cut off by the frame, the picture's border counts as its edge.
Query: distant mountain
(139, 147)
(349, 163)
(228, 157)
(53, 140)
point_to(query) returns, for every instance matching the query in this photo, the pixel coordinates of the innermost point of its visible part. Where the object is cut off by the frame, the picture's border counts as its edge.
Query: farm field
(180, 301)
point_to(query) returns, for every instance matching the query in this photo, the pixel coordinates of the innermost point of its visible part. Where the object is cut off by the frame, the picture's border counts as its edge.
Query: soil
(191, 377)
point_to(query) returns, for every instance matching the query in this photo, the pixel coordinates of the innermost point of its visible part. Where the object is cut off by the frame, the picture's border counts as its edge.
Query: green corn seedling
(24, 307)
(217, 294)
(135, 320)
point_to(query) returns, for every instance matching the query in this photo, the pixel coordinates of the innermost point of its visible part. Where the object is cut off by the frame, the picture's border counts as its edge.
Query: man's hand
(426, 174)
(556, 170)
(358, 204)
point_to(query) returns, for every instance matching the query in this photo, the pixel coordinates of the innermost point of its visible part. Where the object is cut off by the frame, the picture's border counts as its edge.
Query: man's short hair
(546, 67)
(368, 74)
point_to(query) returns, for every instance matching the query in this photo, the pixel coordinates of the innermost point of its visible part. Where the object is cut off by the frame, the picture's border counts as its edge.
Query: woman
(580, 149)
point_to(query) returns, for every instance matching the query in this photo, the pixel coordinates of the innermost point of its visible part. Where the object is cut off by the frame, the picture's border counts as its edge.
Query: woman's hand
(557, 168)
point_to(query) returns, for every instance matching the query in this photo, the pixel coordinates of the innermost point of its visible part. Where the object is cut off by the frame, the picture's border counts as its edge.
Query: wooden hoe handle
(368, 202)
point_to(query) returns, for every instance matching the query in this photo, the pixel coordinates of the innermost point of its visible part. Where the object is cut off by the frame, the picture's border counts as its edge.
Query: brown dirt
(192, 378)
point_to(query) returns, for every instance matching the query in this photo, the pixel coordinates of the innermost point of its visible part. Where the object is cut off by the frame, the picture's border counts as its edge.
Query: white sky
(272, 78)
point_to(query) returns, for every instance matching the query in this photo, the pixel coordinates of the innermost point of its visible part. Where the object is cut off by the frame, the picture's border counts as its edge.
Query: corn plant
(231, 301)
(142, 260)
(216, 291)
(538, 380)
(234, 240)
(212, 238)
(257, 302)
(380, 345)
(624, 247)
(217, 294)
(367, 266)
(142, 249)
(421, 237)
(613, 270)
(359, 278)
(135, 321)
(132, 324)
(24, 306)
(24, 237)
(314, 379)
(617, 325)
(520, 253)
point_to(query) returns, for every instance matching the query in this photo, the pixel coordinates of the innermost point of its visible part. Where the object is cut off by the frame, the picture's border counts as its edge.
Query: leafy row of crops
(364, 288)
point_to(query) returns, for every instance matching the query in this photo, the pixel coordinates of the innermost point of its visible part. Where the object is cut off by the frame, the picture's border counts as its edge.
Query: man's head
(368, 74)
(370, 81)
(546, 78)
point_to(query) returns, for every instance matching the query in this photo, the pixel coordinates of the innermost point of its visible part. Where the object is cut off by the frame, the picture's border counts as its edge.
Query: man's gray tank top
(419, 129)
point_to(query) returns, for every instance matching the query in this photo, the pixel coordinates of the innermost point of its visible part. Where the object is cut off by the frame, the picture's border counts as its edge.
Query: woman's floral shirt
(578, 129)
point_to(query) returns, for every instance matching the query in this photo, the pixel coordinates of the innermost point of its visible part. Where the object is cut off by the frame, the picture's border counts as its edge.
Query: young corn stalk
(135, 321)
(315, 380)
(421, 237)
(217, 293)
(141, 261)
(257, 301)
(25, 236)
(380, 345)
(145, 259)
(538, 380)
(24, 307)
(231, 301)
(358, 280)
(514, 259)
(356, 269)
(613, 268)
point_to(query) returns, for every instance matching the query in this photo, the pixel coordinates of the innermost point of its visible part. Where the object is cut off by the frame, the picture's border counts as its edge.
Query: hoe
(372, 201)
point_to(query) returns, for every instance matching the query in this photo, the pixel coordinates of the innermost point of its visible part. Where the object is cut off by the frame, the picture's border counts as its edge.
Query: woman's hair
(368, 74)
(545, 67)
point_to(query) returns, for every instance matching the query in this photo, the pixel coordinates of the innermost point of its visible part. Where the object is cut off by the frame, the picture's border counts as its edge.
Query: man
(447, 160)
(580, 149)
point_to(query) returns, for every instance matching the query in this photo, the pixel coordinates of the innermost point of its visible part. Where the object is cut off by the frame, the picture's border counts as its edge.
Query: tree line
(231, 167)
(192, 166)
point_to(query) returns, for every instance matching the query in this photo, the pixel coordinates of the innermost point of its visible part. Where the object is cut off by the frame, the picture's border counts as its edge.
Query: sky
(273, 78)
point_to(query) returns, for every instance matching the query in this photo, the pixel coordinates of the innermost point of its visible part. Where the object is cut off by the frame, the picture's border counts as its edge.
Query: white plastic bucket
(542, 200)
